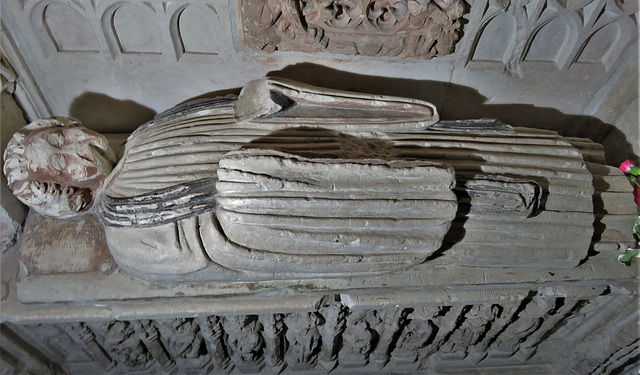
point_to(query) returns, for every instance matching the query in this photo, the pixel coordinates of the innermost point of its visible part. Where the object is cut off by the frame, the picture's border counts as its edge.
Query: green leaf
(627, 257)
(634, 170)
(636, 228)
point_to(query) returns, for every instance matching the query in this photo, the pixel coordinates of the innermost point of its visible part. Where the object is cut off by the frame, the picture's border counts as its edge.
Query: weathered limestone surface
(340, 197)
(113, 63)
(291, 181)
(494, 248)
(540, 325)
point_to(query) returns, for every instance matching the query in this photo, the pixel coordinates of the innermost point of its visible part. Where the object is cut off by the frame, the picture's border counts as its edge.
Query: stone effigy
(290, 181)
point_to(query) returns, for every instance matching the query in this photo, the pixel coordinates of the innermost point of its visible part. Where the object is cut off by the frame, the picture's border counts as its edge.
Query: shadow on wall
(105, 114)
(456, 102)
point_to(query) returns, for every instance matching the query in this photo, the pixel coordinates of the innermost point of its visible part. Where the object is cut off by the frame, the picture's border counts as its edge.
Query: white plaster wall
(616, 103)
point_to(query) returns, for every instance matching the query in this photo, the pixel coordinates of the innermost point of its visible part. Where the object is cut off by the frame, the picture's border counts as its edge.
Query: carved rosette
(403, 28)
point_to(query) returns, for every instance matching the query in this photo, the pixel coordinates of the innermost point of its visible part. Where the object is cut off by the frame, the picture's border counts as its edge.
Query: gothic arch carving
(186, 37)
(488, 46)
(62, 27)
(564, 30)
(131, 29)
(612, 38)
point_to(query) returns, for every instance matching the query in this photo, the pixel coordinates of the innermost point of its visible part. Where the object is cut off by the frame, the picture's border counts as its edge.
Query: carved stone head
(56, 165)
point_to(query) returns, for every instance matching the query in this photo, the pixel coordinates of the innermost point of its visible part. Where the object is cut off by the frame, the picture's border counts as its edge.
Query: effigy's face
(67, 156)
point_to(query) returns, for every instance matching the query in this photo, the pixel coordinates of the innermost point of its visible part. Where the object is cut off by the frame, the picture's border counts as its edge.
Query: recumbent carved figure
(289, 180)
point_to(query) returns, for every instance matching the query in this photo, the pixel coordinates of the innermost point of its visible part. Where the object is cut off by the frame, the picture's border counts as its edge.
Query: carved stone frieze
(125, 346)
(476, 321)
(389, 329)
(529, 319)
(304, 340)
(358, 338)
(86, 339)
(416, 339)
(335, 337)
(335, 320)
(403, 28)
(149, 335)
(182, 339)
(245, 343)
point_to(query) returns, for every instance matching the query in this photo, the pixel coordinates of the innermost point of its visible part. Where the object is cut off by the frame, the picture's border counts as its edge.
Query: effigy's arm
(276, 103)
(329, 215)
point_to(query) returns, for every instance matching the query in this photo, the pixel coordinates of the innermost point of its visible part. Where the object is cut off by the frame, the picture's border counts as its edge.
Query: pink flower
(636, 194)
(626, 166)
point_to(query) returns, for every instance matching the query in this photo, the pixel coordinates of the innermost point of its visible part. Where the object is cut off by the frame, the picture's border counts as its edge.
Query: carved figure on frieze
(358, 339)
(86, 338)
(184, 343)
(416, 336)
(245, 343)
(181, 336)
(304, 340)
(334, 315)
(470, 331)
(148, 333)
(526, 323)
(506, 310)
(393, 319)
(292, 181)
(528, 347)
(124, 345)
